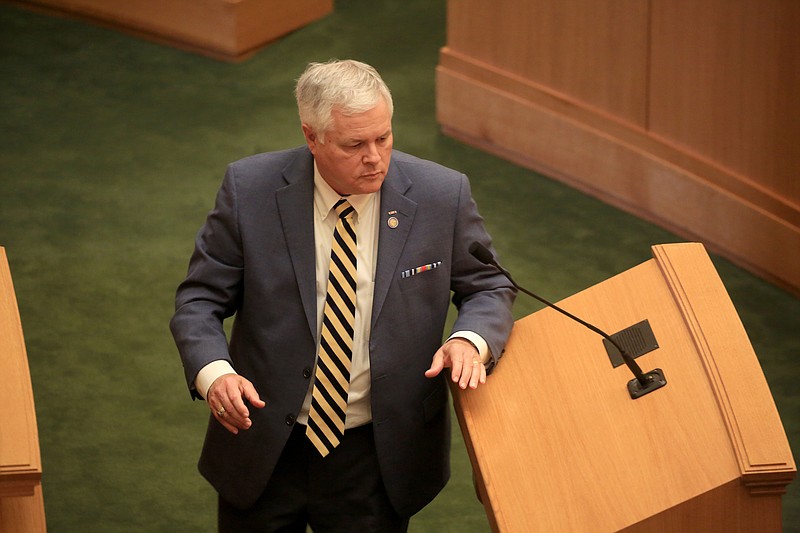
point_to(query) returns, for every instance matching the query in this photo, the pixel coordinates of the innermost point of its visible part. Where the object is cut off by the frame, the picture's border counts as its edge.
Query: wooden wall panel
(725, 85)
(589, 50)
(683, 112)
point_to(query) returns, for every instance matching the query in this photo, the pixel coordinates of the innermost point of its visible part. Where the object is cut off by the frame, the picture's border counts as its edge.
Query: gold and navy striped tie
(332, 379)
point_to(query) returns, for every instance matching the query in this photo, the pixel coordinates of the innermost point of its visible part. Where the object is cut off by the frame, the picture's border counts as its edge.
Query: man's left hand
(464, 361)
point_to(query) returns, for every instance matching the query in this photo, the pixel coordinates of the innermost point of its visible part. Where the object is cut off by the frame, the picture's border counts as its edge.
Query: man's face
(355, 156)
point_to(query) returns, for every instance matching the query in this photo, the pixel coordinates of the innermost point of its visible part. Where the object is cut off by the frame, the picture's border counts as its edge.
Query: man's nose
(371, 156)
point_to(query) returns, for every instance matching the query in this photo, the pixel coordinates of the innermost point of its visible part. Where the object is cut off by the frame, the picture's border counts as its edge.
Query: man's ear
(311, 137)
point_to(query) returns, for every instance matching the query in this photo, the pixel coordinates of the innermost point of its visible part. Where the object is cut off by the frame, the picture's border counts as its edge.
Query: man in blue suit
(263, 255)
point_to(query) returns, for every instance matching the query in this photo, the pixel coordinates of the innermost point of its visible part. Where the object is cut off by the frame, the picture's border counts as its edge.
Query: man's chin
(370, 184)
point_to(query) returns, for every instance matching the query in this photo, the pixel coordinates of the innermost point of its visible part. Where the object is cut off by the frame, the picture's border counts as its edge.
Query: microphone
(638, 387)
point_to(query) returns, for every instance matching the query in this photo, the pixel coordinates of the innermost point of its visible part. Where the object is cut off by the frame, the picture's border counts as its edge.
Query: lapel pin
(392, 222)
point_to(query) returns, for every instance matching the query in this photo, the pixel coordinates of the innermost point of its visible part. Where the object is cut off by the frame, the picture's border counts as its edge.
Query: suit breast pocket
(419, 277)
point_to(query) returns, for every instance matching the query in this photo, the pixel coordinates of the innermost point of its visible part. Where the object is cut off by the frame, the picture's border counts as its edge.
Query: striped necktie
(332, 379)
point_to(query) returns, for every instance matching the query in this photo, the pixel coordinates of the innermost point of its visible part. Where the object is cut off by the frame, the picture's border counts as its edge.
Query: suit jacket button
(290, 419)
(307, 372)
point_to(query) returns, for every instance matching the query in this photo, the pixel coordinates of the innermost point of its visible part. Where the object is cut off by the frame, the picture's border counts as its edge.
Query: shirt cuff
(209, 373)
(477, 341)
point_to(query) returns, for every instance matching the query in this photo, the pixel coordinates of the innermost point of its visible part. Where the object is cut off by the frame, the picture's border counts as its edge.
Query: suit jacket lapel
(296, 209)
(295, 206)
(391, 240)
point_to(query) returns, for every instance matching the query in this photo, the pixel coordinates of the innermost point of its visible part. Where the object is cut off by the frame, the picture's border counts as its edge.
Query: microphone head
(481, 253)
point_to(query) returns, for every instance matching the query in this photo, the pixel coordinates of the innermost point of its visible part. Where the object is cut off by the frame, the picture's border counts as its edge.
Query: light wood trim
(20, 462)
(500, 83)
(620, 164)
(750, 415)
(229, 30)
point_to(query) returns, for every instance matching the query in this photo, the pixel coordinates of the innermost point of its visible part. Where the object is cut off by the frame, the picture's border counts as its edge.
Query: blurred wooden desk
(230, 30)
(21, 502)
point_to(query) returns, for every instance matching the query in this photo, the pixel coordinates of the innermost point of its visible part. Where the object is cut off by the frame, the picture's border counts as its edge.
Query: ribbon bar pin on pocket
(420, 269)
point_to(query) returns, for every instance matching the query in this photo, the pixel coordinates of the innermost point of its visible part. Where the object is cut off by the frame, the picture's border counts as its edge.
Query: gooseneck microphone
(638, 387)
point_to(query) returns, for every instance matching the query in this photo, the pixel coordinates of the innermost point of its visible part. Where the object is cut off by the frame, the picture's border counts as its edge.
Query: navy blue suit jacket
(254, 258)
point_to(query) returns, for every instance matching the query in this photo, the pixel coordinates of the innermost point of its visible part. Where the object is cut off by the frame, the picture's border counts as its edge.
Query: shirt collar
(325, 197)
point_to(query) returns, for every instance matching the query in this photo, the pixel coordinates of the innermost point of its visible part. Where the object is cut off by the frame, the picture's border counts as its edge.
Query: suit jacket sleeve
(212, 288)
(482, 295)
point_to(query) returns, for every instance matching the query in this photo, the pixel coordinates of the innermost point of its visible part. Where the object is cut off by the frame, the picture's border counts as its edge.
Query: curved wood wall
(684, 112)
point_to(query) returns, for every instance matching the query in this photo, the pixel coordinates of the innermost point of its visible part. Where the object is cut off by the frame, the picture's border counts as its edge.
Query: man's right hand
(226, 397)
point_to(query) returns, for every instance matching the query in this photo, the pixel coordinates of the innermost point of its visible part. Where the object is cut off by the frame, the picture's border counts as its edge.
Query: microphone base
(655, 380)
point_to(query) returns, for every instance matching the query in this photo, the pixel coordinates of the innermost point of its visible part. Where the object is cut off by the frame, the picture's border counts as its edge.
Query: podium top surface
(560, 445)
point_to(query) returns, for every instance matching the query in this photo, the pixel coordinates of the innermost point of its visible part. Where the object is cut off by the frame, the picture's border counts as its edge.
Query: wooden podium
(558, 444)
(21, 503)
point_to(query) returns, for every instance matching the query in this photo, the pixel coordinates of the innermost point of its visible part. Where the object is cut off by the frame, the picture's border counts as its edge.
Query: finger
(223, 416)
(237, 414)
(227, 425)
(457, 370)
(240, 410)
(222, 397)
(478, 373)
(437, 364)
(225, 400)
(230, 418)
(251, 395)
(222, 408)
(468, 369)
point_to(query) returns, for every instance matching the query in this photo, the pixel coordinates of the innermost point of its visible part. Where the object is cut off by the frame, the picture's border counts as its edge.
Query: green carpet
(112, 150)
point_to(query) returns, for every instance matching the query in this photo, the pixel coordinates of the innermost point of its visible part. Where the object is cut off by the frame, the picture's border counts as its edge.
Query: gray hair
(350, 86)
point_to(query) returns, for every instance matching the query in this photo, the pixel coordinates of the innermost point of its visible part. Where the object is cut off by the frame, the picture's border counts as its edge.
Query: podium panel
(557, 443)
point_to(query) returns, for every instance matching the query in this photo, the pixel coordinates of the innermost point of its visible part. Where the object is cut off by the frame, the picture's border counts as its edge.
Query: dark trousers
(342, 492)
